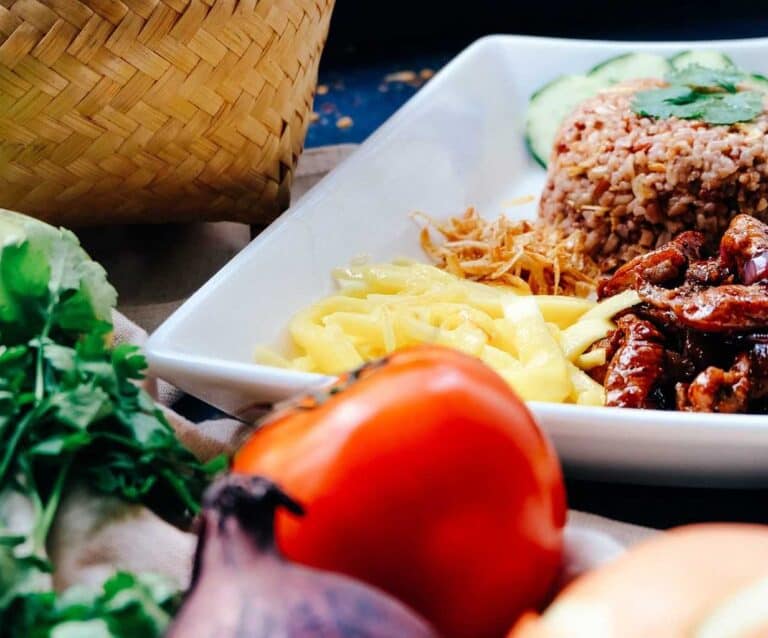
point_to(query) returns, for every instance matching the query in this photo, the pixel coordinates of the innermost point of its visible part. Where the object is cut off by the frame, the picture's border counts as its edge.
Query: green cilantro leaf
(662, 103)
(25, 270)
(729, 108)
(81, 406)
(705, 79)
(147, 429)
(698, 93)
(713, 108)
(128, 361)
(127, 605)
(36, 257)
(57, 444)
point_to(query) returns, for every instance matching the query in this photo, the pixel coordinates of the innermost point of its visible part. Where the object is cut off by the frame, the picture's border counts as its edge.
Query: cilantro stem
(181, 490)
(39, 385)
(52, 506)
(11, 446)
(39, 377)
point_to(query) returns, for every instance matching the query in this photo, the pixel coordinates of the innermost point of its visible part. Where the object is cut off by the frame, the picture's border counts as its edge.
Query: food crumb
(519, 201)
(322, 89)
(426, 74)
(401, 76)
(344, 122)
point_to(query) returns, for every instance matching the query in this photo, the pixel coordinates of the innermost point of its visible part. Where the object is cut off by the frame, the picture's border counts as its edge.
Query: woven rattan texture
(117, 111)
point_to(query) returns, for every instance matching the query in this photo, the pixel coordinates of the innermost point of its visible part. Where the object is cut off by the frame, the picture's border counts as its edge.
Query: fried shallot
(534, 257)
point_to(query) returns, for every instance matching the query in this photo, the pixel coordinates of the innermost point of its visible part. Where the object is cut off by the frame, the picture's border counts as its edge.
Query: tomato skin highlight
(429, 478)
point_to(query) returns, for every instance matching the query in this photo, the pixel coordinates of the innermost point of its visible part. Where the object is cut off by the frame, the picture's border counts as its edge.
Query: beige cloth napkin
(94, 535)
(155, 269)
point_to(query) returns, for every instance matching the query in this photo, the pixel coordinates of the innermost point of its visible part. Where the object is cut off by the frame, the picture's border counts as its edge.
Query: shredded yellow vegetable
(536, 343)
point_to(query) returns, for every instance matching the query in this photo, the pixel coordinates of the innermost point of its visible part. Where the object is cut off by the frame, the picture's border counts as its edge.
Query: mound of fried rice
(631, 183)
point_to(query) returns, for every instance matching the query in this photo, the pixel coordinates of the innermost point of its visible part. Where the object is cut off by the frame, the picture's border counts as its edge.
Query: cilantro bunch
(70, 406)
(126, 606)
(699, 93)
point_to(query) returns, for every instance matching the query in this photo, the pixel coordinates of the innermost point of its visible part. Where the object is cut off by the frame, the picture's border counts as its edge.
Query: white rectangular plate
(457, 143)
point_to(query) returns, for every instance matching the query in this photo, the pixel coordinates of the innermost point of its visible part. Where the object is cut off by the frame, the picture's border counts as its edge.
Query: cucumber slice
(707, 59)
(631, 66)
(757, 82)
(548, 108)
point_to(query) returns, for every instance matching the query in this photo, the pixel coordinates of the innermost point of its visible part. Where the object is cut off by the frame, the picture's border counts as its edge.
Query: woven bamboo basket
(134, 111)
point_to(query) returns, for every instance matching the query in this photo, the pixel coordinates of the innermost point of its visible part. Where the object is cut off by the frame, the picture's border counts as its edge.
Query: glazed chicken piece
(707, 272)
(688, 354)
(702, 329)
(610, 344)
(726, 308)
(637, 366)
(663, 265)
(718, 390)
(744, 249)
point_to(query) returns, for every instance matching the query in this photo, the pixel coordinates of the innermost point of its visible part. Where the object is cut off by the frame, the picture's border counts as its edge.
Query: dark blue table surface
(370, 41)
(353, 101)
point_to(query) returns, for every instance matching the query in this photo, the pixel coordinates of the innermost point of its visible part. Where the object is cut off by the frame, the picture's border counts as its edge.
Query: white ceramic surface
(458, 142)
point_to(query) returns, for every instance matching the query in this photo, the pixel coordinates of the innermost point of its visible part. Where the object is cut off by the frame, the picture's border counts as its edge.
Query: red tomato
(426, 476)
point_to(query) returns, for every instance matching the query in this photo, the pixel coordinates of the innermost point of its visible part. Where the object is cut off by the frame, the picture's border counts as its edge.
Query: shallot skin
(242, 587)
(744, 249)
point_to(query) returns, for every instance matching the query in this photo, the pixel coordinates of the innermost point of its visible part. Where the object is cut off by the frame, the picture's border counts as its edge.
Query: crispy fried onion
(532, 256)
